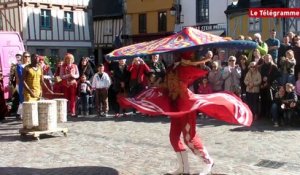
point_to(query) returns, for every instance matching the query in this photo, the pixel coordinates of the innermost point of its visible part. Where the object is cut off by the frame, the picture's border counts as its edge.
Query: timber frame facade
(50, 27)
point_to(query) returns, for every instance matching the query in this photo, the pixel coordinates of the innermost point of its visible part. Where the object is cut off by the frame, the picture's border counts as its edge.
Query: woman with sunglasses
(252, 82)
(19, 80)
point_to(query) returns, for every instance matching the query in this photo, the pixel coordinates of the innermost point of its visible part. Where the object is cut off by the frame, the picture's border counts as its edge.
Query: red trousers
(187, 126)
(70, 95)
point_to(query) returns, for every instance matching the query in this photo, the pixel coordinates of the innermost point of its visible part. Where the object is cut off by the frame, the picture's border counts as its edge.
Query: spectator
(138, 70)
(257, 58)
(244, 69)
(284, 46)
(208, 56)
(289, 104)
(291, 35)
(204, 87)
(19, 81)
(297, 88)
(269, 73)
(84, 67)
(48, 75)
(252, 82)
(101, 82)
(120, 78)
(157, 68)
(84, 91)
(57, 86)
(4, 110)
(262, 46)
(287, 68)
(296, 50)
(215, 77)
(231, 76)
(273, 46)
(69, 73)
(13, 83)
(222, 56)
(276, 110)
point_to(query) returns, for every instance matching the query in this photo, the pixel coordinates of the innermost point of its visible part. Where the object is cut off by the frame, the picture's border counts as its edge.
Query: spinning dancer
(177, 101)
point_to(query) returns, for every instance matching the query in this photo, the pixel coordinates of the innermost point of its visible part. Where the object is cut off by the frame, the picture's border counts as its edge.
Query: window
(54, 53)
(45, 19)
(254, 24)
(202, 7)
(162, 21)
(142, 23)
(68, 21)
(40, 52)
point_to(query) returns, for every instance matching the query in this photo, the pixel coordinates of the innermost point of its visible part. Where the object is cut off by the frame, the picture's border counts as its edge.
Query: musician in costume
(69, 73)
(33, 80)
(174, 99)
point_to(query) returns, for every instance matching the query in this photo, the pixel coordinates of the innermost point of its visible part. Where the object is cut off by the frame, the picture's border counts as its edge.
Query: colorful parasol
(187, 39)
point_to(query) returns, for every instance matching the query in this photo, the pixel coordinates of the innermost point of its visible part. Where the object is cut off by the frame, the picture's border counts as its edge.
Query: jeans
(276, 112)
(84, 98)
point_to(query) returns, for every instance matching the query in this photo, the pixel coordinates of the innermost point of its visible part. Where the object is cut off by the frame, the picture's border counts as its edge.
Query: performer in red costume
(177, 101)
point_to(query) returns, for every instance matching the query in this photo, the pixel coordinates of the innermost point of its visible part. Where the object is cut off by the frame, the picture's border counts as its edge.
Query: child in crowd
(204, 87)
(84, 91)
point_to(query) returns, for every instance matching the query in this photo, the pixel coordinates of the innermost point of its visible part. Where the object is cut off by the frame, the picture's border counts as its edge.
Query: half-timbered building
(109, 25)
(49, 27)
(239, 22)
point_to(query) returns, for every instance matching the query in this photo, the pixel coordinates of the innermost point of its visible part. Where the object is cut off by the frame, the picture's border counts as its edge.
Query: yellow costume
(33, 80)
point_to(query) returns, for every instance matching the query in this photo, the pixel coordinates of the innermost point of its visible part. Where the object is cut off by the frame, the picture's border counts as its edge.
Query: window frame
(202, 17)
(142, 24)
(47, 19)
(71, 21)
(162, 22)
(258, 21)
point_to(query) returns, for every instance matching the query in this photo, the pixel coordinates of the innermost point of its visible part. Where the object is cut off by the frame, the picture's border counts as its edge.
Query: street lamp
(173, 10)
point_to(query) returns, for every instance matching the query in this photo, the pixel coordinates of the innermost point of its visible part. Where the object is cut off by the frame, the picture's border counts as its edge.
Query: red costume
(69, 73)
(178, 102)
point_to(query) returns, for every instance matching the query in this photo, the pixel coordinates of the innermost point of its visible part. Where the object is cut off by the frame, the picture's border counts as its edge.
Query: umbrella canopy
(187, 39)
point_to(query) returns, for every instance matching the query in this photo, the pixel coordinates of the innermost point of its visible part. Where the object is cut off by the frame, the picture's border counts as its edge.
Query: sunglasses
(252, 67)
(231, 60)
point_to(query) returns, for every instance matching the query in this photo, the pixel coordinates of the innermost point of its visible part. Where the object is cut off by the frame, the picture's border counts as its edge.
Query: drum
(47, 115)
(30, 115)
(61, 105)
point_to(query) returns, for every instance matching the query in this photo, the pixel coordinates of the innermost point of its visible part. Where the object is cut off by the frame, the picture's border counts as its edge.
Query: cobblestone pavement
(139, 145)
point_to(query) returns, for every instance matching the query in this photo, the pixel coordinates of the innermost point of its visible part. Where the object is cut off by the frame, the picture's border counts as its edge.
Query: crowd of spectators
(266, 78)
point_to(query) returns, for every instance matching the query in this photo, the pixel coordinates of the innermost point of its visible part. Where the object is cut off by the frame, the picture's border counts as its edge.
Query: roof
(244, 5)
(107, 8)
